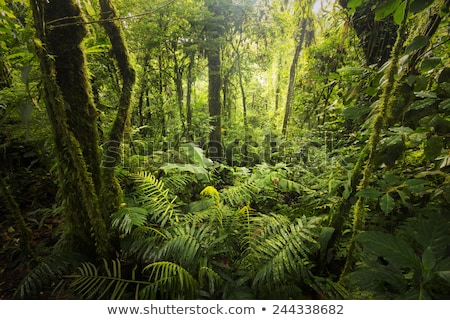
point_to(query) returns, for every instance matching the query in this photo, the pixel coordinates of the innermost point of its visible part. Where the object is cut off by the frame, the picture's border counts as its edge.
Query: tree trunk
(215, 149)
(86, 230)
(111, 193)
(213, 35)
(178, 73)
(190, 81)
(292, 74)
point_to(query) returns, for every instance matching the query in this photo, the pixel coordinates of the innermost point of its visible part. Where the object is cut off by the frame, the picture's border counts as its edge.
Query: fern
(90, 284)
(169, 281)
(128, 217)
(155, 198)
(281, 252)
(177, 182)
(239, 195)
(185, 244)
(48, 271)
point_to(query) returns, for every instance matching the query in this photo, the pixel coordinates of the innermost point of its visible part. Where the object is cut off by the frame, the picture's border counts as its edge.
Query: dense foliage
(221, 149)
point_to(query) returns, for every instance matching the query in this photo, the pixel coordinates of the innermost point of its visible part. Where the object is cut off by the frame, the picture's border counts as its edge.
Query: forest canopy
(225, 149)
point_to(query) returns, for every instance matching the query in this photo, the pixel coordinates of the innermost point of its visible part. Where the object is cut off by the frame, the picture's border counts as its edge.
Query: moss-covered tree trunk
(387, 100)
(72, 114)
(111, 194)
(213, 34)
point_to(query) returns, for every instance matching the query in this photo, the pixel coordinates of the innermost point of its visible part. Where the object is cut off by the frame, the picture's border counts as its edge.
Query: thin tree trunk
(111, 192)
(278, 85)
(215, 149)
(292, 75)
(178, 72)
(244, 100)
(190, 81)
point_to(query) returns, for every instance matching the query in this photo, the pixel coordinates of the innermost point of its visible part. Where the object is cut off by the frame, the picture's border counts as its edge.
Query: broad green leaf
(433, 232)
(195, 155)
(419, 5)
(428, 259)
(369, 193)
(389, 247)
(200, 172)
(405, 198)
(386, 8)
(387, 203)
(417, 43)
(399, 13)
(416, 185)
(433, 147)
(444, 275)
(325, 235)
(353, 4)
(401, 130)
(411, 80)
(429, 64)
(392, 179)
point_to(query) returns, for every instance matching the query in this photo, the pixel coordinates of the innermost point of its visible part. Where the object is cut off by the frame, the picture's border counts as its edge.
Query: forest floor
(14, 266)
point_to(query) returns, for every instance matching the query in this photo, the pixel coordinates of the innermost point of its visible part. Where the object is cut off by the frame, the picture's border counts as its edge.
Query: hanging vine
(387, 100)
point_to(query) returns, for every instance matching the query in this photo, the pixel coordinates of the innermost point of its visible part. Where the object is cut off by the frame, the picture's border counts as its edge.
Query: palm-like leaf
(128, 217)
(240, 194)
(185, 243)
(280, 251)
(169, 281)
(47, 271)
(155, 198)
(89, 283)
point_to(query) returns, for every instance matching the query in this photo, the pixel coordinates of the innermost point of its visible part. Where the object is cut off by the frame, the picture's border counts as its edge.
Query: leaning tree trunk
(59, 35)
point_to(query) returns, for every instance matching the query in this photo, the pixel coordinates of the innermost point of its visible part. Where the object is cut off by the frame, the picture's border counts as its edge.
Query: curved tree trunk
(112, 193)
(73, 118)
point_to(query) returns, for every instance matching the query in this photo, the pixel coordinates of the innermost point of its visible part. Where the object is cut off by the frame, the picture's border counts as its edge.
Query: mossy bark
(112, 192)
(65, 42)
(387, 100)
(86, 229)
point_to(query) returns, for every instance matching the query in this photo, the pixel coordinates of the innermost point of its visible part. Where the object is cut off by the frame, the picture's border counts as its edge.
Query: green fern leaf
(89, 283)
(239, 195)
(282, 252)
(128, 217)
(170, 281)
(155, 198)
(47, 271)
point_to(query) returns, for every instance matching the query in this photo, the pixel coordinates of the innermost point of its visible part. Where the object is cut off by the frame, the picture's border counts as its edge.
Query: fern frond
(49, 270)
(212, 193)
(239, 195)
(280, 252)
(176, 182)
(169, 281)
(128, 217)
(155, 198)
(111, 285)
(207, 276)
(185, 244)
